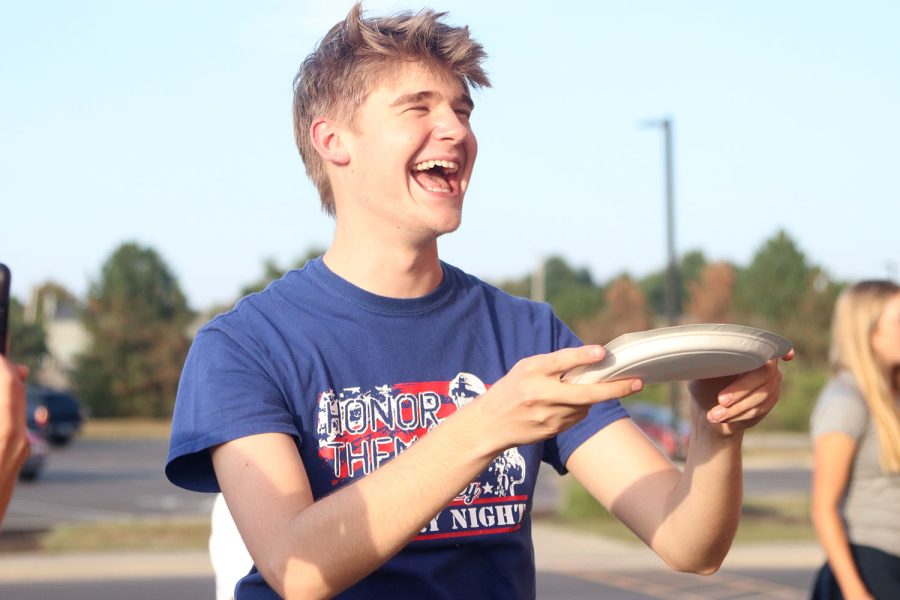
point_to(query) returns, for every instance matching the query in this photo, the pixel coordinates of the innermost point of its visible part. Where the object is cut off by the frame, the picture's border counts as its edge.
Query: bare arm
(13, 443)
(308, 549)
(688, 517)
(833, 459)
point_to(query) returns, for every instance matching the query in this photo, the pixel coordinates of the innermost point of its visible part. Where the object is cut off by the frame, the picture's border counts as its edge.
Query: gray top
(871, 503)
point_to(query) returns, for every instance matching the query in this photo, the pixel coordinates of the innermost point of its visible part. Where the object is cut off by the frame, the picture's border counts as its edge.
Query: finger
(754, 405)
(747, 383)
(592, 393)
(564, 360)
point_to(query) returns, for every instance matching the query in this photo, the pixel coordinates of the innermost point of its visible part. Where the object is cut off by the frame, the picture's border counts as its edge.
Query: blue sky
(169, 123)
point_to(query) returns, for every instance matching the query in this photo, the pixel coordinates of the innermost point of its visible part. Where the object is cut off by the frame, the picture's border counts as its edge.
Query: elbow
(292, 579)
(704, 566)
(705, 562)
(708, 568)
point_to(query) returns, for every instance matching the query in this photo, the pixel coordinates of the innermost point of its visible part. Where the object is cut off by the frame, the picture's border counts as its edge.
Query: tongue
(431, 179)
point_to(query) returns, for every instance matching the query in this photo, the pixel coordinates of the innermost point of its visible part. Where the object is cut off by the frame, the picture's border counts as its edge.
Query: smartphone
(5, 276)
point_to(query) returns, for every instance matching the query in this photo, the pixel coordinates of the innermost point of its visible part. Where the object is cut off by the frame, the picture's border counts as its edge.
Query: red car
(36, 459)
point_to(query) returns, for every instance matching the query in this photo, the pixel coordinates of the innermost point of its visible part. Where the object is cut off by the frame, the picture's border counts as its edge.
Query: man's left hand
(738, 402)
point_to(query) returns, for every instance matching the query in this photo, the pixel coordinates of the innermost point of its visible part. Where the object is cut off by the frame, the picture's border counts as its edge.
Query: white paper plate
(683, 353)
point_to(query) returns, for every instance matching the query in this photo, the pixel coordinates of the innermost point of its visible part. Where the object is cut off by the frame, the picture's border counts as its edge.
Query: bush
(799, 390)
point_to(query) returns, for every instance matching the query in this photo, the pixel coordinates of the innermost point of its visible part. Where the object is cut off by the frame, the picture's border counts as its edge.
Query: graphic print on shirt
(358, 430)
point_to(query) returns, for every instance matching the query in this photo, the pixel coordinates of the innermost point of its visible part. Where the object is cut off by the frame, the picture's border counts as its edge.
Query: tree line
(139, 323)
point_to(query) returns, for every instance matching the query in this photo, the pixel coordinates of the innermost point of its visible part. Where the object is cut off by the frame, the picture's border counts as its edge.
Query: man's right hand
(532, 403)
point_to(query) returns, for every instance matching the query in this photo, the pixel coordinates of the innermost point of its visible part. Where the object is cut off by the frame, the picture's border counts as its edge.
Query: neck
(390, 269)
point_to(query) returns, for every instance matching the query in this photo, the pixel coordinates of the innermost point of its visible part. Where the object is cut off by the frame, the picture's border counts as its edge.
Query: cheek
(471, 150)
(886, 344)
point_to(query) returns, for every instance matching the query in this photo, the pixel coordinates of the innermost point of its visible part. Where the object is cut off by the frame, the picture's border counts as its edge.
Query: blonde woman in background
(856, 433)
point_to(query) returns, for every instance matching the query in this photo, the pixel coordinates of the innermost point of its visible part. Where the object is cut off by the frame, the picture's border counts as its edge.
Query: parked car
(36, 458)
(656, 421)
(54, 413)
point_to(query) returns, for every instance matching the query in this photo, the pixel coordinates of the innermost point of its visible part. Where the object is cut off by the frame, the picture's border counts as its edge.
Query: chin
(449, 224)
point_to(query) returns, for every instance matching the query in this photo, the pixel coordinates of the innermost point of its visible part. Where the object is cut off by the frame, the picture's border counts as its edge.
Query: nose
(451, 126)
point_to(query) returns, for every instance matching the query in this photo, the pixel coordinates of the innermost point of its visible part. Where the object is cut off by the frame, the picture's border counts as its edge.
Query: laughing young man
(376, 420)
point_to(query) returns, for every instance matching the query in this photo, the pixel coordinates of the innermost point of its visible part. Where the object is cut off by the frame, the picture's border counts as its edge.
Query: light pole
(539, 281)
(671, 287)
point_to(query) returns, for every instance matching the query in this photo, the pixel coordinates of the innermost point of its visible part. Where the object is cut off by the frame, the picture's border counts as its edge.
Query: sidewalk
(564, 550)
(557, 549)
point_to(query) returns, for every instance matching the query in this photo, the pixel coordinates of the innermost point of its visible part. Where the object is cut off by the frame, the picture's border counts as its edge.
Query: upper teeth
(430, 164)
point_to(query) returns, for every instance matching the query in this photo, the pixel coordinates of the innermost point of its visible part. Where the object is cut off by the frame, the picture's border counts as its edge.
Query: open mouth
(439, 176)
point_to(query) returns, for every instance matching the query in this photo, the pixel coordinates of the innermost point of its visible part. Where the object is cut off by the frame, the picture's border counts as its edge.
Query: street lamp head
(664, 123)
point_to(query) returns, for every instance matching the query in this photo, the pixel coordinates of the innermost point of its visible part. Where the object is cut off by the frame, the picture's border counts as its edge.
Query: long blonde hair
(856, 315)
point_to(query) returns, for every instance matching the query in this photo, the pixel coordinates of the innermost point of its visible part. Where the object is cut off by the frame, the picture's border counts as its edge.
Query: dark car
(36, 458)
(54, 413)
(656, 421)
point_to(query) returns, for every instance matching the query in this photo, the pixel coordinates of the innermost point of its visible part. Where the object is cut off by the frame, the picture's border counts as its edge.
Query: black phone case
(5, 276)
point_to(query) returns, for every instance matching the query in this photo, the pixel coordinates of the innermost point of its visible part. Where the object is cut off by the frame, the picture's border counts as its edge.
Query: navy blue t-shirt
(356, 378)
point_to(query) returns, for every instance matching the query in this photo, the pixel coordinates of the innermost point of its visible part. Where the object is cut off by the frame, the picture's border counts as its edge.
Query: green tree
(272, 271)
(625, 311)
(781, 291)
(653, 285)
(710, 296)
(810, 327)
(572, 292)
(137, 318)
(771, 288)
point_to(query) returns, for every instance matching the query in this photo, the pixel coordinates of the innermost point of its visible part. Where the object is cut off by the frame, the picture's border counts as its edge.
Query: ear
(326, 139)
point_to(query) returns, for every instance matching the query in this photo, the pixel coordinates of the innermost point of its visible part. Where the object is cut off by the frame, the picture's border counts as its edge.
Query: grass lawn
(129, 429)
(144, 535)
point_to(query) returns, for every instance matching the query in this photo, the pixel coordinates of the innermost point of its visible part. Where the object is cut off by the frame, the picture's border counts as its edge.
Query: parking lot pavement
(571, 564)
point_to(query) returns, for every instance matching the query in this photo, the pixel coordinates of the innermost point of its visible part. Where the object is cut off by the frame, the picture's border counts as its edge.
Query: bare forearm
(687, 517)
(340, 539)
(702, 512)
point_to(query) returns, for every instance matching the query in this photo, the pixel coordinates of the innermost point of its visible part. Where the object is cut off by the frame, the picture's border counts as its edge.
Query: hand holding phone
(5, 276)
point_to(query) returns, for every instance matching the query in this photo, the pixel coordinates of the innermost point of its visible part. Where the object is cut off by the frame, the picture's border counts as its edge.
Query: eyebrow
(430, 95)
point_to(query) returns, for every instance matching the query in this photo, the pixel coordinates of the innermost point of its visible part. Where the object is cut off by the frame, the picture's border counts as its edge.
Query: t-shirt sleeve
(557, 450)
(226, 391)
(840, 408)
